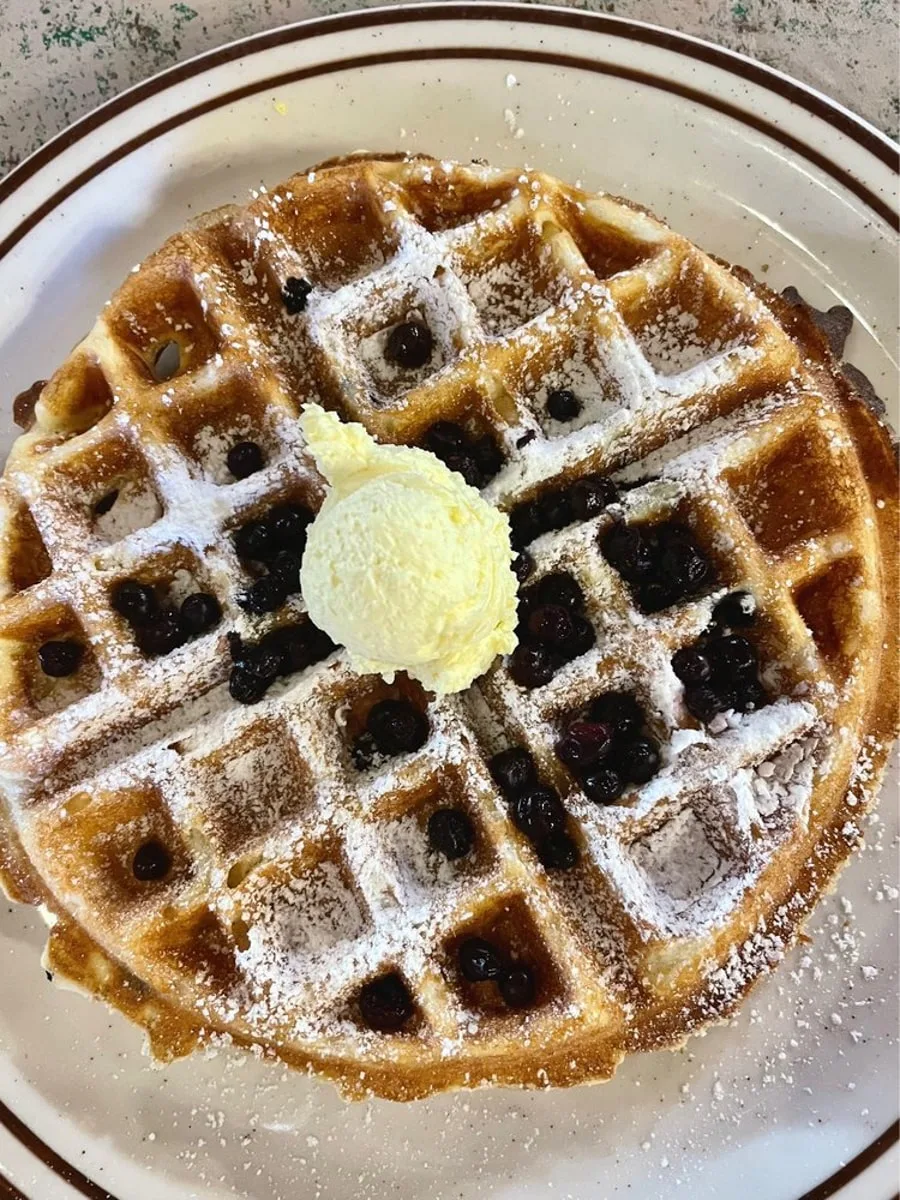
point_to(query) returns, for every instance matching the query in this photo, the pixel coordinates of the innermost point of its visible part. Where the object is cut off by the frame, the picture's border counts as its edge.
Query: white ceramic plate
(796, 1098)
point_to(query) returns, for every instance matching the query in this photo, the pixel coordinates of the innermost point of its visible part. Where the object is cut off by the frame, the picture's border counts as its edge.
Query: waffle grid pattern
(295, 877)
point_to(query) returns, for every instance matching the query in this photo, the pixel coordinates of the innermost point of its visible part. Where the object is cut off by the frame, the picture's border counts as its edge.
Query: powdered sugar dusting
(211, 446)
(312, 877)
(679, 859)
(135, 507)
(298, 931)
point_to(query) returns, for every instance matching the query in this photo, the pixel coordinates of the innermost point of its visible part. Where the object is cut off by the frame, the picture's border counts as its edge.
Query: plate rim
(814, 102)
(786, 87)
(809, 97)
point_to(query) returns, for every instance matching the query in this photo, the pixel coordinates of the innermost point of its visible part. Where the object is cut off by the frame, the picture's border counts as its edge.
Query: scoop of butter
(405, 564)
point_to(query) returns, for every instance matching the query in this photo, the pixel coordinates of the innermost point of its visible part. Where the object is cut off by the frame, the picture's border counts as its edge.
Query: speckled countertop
(60, 58)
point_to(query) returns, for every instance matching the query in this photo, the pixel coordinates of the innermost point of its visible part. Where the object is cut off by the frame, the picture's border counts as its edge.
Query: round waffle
(218, 869)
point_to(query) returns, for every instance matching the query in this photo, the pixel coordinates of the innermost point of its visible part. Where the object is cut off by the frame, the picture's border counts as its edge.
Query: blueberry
(60, 659)
(293, 644)
(525, 524)
(285, 567)
(591, 495)
(199, 612)
(683, 564)
(134, 601)
(531, 666)
(653, 595)
(583, 744)
(267, 661)
(732, 655)
(245, 686)
(265, 595)
(551, 624)
(691, 665)
(409, 344)
(513, 771)
(670, 533)
(479, 961)
(525, 606)
(581, 639)
(638, 761)
(563, 405)
(288, 524)
(560, 588)
(364, 751)
(254, 541)
(749, 695)
(161, 635)
(558, 852)
(522, 566)
(681, 556)
(271, 658)
(627, 549)
(554, 510)
(619, 710)
(294, 294)
(321, 645)
(517, 987)
(703, 702)
(538, 812)
(237, 647)
(385, 1003)
(451, 832)
(603, 785)
(151, 862)
(397, 726)
(735, 610)
(105, 503)
(244, 459)
(487, 456)
(268, 658)
(445, 437)
(464, 464)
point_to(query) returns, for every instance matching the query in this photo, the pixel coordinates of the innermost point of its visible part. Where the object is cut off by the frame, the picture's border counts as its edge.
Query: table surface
(61, 58)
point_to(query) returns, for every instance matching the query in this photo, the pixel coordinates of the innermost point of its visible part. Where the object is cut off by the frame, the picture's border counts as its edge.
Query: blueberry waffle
(598, 847)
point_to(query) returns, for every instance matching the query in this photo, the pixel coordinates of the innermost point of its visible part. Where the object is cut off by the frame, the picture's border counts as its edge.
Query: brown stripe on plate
(875, 143)
(747, 68)
(359, 62)
(49, 1158)
(9, 1191)
(856, 1166)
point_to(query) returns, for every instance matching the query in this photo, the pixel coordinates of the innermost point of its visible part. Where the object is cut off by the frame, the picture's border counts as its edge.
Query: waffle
(295, 877)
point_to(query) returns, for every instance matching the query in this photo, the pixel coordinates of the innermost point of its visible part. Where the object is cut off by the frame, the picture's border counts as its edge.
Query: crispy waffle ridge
(296, 877)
